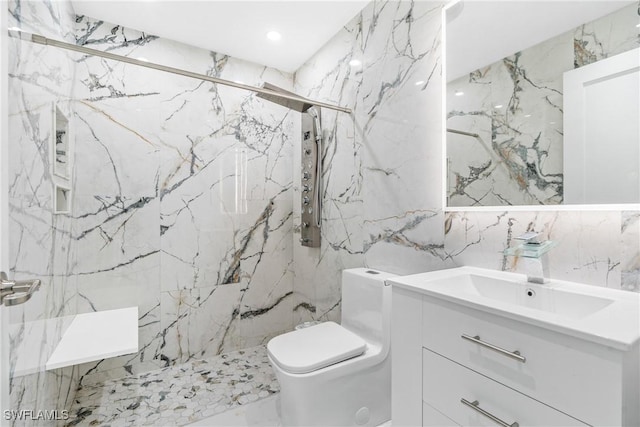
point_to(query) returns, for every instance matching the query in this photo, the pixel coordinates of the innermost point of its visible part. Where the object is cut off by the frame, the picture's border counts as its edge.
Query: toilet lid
(309, 349)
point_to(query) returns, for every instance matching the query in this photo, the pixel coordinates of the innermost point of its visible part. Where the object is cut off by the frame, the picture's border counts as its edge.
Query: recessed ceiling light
(274, 36)
(140, 58)
(420, 83)
(497, 106)
(638, 26)
(355, 63)
(459, 93)
(527, 115)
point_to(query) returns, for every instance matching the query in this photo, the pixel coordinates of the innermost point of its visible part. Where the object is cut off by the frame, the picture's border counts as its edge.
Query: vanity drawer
(446, 383)
(572, 375)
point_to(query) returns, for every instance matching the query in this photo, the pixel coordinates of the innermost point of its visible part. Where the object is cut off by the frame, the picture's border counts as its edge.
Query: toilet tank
(366, 304)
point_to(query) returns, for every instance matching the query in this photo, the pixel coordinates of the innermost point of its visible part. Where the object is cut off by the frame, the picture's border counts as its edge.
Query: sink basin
(537, 297)
(602, 315)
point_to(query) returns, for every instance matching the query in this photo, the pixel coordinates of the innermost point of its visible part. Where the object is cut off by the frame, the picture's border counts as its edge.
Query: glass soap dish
(531, 250)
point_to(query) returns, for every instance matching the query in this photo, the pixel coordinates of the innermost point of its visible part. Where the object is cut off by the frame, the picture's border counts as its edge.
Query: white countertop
(617, 325)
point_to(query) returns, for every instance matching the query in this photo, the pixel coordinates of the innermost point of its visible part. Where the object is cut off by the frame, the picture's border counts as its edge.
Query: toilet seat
(309, 349)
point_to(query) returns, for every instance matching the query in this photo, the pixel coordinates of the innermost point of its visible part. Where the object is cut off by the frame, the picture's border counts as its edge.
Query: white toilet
(339, 375)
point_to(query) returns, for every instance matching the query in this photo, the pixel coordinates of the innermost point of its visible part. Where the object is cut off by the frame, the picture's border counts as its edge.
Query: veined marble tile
(46, 389)
(196, 322)
(113, 158)
(114, 231)
(515, 107)
(194, 246)
(587, 252)
(40, 249)
(607, 36)
(48, 19)
(376, 179)
(400, 195)
(406, 244)
(219, 316)
(137, 284)
(522, 96)
(29, 174)
(251, 141)
(199, 176)
(119, 266)
(266, 306)
(177, 395)
(40, 242)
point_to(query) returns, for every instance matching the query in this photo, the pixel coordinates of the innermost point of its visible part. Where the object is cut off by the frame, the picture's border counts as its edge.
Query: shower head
(298, 106)
(313, 111)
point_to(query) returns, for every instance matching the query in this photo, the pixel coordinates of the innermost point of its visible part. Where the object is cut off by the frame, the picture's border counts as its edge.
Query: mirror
(542, 102)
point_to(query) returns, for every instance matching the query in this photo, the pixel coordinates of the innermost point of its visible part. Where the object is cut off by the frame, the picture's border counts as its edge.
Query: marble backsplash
(515, 106)
(600, 248)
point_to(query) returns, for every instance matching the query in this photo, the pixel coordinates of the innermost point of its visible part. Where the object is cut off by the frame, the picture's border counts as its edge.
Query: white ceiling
(480, 33)
(234, 27)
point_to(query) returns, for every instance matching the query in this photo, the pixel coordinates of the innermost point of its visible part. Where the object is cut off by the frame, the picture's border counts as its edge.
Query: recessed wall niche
(61, 156)
(61, 159)
(62, 199)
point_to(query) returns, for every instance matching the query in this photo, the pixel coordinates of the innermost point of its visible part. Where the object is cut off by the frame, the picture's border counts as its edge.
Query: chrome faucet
(534, 254)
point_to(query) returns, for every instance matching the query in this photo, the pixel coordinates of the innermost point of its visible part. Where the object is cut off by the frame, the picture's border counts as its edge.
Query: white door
(4, 214)
(602, 131)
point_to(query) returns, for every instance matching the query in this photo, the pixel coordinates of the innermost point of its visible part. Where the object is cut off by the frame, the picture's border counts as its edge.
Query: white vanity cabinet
(455, 365)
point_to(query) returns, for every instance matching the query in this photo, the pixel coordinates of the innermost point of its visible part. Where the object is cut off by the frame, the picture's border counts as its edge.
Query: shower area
(141, 188)
(194, 206)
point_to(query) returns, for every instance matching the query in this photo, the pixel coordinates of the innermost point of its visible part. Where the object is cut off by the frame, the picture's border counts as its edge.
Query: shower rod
(38, 39)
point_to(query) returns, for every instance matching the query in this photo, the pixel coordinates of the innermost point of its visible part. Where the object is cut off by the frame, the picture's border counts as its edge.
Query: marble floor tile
(177, 395)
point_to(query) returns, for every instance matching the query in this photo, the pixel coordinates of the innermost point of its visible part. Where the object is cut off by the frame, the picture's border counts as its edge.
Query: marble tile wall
(41, 242)
(383, 174)
(600, 248)
(382, 162)
(183, 200)
(515, 107)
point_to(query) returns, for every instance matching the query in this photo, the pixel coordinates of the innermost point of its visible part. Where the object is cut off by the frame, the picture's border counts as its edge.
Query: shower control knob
(306, 176)
(306, 188)
(305, 240)
(305, 201)
(307, 151)
(305, 225)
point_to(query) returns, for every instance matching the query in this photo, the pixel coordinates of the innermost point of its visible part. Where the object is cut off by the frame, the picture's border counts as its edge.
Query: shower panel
(311, 175)
(311, 159)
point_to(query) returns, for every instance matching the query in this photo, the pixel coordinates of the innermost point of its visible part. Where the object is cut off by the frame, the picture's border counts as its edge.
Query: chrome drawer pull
(512, 354)
(475, 405)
